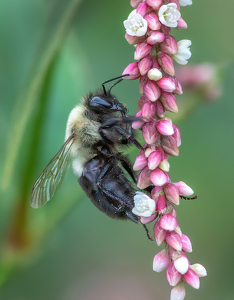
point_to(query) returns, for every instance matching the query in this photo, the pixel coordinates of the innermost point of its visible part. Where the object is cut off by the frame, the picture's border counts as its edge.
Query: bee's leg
(128, 136)
(127, 166)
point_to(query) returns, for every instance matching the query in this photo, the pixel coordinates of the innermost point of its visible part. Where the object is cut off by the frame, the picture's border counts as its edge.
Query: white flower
(169, 15)
(183, 53)
(144, 205)
(185, 2)
(135, 25)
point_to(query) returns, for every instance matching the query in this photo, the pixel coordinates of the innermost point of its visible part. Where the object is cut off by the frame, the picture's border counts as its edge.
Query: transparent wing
(52, 176)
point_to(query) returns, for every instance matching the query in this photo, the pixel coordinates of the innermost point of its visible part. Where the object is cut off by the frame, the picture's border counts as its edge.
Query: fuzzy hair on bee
(97, 130)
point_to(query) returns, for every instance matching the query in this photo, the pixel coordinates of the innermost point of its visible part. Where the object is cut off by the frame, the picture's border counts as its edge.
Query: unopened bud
(166, 84)
(142, 50)
(153, 21)
(132, 70)
(169, 45)
(144, 65)
(166, 63)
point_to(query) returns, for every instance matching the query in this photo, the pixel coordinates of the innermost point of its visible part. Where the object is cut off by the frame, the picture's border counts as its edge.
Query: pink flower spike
(162, 204)
(146, 220)
(140, 162)
(144, 179)
(143, 9)
(178, 292)
(161, 261)
(168, 222)
(184, 189)
(165, 127)
(169, 102)
(154, 160)
(166, 84)
(166, 63)
(158, 177)
(150, 132)
(155, 4)
(144, 65)
(152, 91)
(186, 243)
(199, 270)
(174, 240)
(140, 123)
(142, 50)
(169, 45)
(153, 21)
(172, 193)
(173, 276)
(135, 3)
(192, 278)
(155, 37)
(132, 70)
(169, 145)
(181, 264)
(159, 233)
(181, 24)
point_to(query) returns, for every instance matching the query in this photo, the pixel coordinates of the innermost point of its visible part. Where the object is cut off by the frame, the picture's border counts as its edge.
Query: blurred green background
(51, 54)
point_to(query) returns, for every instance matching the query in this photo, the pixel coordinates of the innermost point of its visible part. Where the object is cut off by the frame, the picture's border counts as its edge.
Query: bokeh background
(51, 54)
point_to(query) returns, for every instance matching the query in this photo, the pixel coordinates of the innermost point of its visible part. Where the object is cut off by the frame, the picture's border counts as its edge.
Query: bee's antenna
(112, 79)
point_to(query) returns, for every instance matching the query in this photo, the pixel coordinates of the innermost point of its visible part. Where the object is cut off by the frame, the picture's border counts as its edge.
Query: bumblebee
(96, 130)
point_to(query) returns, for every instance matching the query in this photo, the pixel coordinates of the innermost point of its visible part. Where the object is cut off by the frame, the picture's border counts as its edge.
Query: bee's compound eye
(99, 102)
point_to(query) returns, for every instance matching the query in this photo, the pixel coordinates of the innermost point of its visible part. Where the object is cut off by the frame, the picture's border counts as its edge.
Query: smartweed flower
(149, 28)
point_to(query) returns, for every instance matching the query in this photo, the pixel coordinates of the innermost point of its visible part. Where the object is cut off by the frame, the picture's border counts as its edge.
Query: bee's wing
(52, 176)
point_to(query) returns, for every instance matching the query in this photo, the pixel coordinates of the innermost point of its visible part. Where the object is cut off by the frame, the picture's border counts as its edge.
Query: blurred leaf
(55, 30)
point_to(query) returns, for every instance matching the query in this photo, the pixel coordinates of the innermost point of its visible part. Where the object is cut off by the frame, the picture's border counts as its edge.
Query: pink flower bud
(178, 90)
(169, 45)
(140, 162)
(134, 40)
(144, 179)
(165, 29)
(155, 62)
(181, 24)
(140, 123)
(169, 145)
(162, 204)
(132, 70)
(166, 62)
(181, 264)
(184, 189)
(174, 240)
(152, 91)
(142, 50)
(150, 132)
(192, 278)
(167, 84)
(186, 243)
(178, 292)
(155, 37)
(169, 101)
(153, 21)
(135, 3)
(199, 270)
(159, 109)
(141, 102)
(142, 82)
(154, 159)
(165, 127)
(161, 261)
(146, 220)
(155, 4)
(149, 110)
(155, 193)
(143, 9)
(158, 177)
(168, 222)
(154, 74)
(144, 65)
(172, 193)
(159, 233)
(173, 276)
(176, 135)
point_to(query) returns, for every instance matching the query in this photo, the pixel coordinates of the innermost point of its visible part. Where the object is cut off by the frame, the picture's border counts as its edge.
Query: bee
(96, 129)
